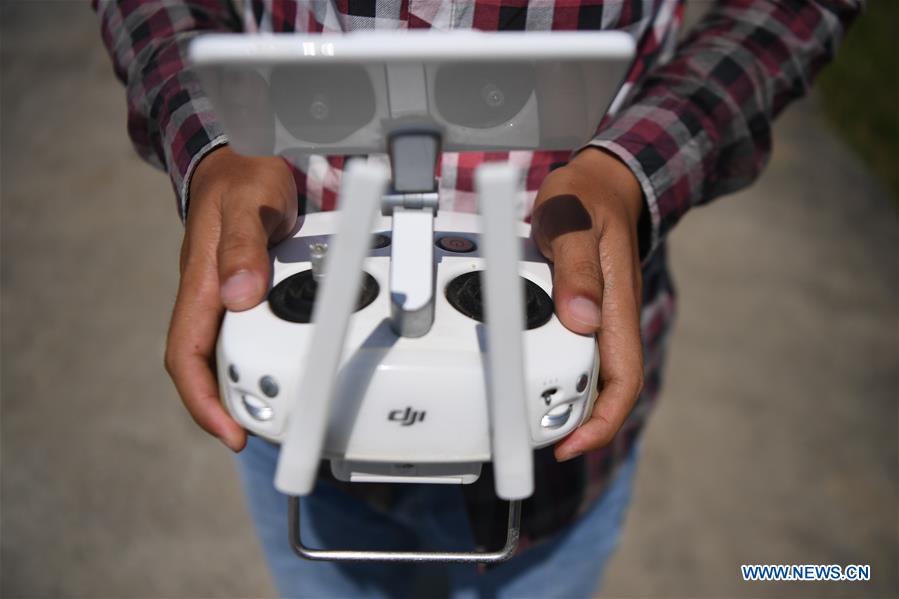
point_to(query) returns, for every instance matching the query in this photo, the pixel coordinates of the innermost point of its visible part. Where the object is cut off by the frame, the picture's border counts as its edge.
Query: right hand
(238, 207)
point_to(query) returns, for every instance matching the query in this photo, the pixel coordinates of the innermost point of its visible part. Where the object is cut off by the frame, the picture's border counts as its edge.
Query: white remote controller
(418, 344)
(412, 409)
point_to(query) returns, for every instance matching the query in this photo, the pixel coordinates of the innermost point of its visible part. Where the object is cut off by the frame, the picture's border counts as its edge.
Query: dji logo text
(406, 417)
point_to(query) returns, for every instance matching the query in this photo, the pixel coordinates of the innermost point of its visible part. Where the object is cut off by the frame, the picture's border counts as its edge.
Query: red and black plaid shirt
(693, 122)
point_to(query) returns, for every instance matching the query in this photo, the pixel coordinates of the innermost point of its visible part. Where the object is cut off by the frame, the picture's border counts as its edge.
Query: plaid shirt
(693, 122)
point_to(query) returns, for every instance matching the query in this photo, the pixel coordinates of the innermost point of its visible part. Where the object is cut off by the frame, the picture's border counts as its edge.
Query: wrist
(208, 169)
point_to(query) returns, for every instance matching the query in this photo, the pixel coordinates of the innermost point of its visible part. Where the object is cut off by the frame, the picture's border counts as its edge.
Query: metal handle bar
(352, 555)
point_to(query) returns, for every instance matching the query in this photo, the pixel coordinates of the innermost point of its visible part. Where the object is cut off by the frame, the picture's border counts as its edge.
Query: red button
(458, 245)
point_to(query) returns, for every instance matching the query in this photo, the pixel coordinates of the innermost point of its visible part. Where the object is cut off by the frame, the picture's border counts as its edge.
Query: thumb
(243, 261)
(564, 233)
(578, 281)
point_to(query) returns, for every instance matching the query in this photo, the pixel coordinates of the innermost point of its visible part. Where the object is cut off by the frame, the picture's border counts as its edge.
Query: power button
(456, 244)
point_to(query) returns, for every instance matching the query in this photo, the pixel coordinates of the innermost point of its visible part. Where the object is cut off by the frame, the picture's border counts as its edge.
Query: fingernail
(229, 443)
(240, 287)
(584, 311)
(564, 456)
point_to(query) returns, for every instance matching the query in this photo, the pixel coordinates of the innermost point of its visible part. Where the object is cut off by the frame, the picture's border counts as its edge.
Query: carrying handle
(352, 555)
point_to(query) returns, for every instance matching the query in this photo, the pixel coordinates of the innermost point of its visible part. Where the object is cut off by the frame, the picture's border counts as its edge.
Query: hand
(238, 206)
(585, 221)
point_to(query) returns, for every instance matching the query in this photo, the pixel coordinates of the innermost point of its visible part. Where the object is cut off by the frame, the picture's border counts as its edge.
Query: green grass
(860, 90)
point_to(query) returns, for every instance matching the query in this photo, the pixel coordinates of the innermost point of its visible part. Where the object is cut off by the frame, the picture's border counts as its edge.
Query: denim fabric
(569, 564)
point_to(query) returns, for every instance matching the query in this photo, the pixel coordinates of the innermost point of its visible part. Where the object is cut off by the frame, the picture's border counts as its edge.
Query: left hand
(585, 221)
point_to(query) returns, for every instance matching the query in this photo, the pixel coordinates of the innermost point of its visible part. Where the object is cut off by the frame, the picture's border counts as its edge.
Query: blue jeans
(570, 564)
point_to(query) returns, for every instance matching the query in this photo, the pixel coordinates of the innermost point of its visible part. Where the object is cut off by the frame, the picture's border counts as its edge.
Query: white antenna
(361, 190)
(513, 461)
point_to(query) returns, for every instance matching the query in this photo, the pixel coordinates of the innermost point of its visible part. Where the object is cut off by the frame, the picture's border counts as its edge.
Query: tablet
(345, 93)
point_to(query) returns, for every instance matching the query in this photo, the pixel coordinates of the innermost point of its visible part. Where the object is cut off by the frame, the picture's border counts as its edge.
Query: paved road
(776, 439)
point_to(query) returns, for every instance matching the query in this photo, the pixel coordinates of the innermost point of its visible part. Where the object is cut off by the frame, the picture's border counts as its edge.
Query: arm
(238, 205)
(697, 127)
(170, 120)
(700, 126)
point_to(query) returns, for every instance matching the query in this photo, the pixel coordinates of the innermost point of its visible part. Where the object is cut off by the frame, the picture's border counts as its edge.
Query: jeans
(423, 517)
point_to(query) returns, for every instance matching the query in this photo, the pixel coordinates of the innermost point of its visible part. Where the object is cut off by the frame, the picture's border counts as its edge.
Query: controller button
(232, 373)
(257, 408)
(379, 241)
(582, 383)
(557, 417)
(268, 386)
(456, 244)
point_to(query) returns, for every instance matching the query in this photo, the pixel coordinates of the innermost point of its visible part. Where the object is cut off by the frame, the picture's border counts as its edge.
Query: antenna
(513, 460)
(362, 186)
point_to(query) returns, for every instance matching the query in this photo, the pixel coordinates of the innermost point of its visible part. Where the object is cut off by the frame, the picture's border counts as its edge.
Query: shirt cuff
(181, 181)
(187, 128)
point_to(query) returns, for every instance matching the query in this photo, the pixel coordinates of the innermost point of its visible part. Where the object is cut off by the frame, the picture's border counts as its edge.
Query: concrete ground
(775, 440)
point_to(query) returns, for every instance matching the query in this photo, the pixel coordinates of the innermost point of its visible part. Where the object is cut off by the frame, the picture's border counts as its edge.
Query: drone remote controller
(400, 342)
(411, 409)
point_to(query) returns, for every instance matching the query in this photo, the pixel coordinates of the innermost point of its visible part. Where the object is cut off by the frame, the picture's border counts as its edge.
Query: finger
(243, 260)
(191, 345)
(563, 230)
(578, 286)
(620, 348)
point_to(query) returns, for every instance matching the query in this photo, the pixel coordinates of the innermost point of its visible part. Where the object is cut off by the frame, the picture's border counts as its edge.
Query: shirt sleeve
(699, 126)
(170, 121)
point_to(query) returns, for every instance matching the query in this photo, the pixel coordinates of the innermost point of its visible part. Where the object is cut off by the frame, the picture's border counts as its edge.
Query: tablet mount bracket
(412, 202)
